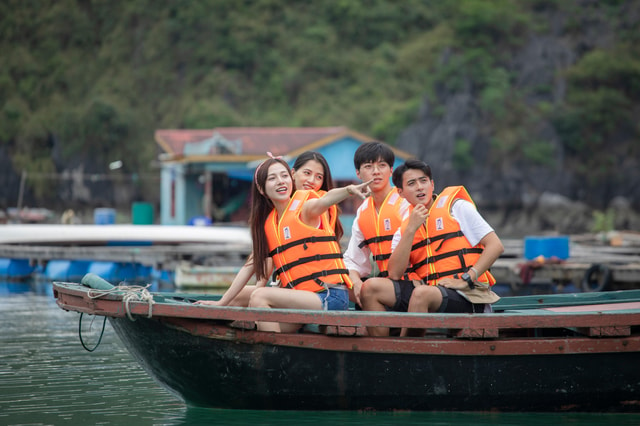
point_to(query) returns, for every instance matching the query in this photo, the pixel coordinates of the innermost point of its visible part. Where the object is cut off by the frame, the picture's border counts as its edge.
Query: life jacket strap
(376, 239)
(312, 277)
(303, 260)
(302, 241)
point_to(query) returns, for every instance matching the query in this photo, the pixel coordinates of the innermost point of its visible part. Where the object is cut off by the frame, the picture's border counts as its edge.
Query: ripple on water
(47, 378)
(45, 374)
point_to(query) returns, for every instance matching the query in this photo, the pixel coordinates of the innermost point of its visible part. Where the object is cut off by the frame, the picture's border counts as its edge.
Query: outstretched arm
(313, 208)
(239, 282)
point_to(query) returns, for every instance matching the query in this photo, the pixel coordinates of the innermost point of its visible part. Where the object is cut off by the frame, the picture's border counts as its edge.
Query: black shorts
(454, 303)
(403, 290)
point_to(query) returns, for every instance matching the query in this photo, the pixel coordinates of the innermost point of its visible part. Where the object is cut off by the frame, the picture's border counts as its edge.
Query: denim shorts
(334, 299)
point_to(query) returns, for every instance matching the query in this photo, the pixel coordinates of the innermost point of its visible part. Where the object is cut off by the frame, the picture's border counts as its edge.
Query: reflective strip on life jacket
(301, 253)
(378, 228)
(440, 249)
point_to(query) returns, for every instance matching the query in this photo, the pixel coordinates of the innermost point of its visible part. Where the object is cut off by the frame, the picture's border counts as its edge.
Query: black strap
(377, 239)
(383, 256)
(422, 243)
(445, 299)
(438, 275)
(442, 238)
(405, 276)
(445, 237)
(460, 254)
(304, 241)
(303, 260)
(312, 277)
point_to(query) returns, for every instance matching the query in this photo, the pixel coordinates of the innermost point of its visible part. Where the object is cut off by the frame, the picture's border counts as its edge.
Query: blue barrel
(552, 246)
(104, 216)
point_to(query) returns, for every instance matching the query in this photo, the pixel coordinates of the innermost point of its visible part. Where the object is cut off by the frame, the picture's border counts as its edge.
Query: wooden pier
(591, 266)
(121, 252)
(157, 256)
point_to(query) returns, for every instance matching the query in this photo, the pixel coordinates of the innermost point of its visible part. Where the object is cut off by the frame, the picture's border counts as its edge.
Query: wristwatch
(468, 279)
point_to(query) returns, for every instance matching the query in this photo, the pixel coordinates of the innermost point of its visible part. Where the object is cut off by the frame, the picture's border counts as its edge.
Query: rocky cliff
(522, 196)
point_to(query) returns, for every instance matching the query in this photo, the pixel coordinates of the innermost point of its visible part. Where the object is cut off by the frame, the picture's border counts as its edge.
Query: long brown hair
(327, 181)
(261, 206)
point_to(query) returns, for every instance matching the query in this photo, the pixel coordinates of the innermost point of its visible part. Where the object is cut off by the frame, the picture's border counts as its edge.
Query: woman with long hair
(311, 172)
(294, 235)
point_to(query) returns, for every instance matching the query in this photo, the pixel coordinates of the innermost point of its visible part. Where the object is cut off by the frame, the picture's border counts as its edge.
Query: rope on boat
(132, 293)
(104, 322)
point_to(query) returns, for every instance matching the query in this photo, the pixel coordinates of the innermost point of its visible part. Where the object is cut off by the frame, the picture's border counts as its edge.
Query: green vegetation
(603, 221)
(601, 111)
(462, 155)
(95, 78)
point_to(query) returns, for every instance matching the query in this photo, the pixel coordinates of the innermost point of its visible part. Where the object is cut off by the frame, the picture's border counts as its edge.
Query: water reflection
(46, 377)
(195, 416)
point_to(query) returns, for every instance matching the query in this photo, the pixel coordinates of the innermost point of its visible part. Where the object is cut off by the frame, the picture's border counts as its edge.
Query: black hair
(370, 152)
(412, 164)
(261, 207)
(327, 181)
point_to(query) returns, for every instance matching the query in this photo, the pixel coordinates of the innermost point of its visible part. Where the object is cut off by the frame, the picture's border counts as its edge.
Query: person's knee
(373, 287)
(424, 293)
(258, 297)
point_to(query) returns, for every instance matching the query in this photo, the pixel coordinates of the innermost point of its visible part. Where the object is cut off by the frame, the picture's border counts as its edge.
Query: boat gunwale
(75, 297)
(437, 344)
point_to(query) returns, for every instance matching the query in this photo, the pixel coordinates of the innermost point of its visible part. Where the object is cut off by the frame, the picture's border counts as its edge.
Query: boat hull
(227, 368)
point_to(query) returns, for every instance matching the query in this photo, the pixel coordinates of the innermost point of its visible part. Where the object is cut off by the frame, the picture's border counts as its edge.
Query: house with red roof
(206, 174)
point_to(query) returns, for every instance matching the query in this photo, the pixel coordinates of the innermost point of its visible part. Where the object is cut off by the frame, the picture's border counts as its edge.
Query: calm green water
(47, 378)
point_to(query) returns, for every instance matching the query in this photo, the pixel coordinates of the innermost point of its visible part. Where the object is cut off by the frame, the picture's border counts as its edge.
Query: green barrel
(142, 213)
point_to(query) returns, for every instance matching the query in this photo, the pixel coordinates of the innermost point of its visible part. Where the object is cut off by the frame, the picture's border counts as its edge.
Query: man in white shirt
(376, 220)
(446, 242)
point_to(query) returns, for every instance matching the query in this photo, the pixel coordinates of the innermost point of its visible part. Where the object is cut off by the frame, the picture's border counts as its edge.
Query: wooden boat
(569, 352)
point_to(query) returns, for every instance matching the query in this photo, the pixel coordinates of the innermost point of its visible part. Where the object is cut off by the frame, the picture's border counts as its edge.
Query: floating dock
(115, 252)
(143, 252)
(590, 265)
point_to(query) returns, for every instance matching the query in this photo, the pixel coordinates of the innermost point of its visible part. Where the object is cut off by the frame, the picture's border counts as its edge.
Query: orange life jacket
(378, 229)
(440, 249)
(305, 257)
(332, 212)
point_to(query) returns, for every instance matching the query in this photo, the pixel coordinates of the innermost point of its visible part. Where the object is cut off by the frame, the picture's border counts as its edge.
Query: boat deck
(583, 314)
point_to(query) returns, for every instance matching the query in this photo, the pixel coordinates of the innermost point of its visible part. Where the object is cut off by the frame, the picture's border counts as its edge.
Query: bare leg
(376, 295)
(275, 297)
(242, 298)
(425, 298)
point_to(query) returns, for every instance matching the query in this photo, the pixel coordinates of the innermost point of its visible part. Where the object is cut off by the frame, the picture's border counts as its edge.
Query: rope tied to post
(130, 293)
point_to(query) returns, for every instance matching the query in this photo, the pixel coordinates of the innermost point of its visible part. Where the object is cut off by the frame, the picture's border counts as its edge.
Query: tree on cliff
(510, 97)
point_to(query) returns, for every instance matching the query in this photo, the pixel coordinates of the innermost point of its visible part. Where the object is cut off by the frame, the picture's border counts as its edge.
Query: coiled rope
(132, 293)
(104, 322)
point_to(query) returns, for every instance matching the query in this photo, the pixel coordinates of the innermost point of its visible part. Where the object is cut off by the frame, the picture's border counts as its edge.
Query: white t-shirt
(472, 224)
(357, 258)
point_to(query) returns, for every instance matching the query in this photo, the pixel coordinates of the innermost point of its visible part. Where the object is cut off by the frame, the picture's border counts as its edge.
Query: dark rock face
(519, 196)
